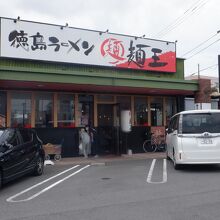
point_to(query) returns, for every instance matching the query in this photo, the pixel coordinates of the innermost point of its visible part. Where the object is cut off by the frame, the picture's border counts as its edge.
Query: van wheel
(39, 168)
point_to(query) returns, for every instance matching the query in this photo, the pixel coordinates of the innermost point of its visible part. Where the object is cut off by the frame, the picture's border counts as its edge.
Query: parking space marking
(150, 173)
(11, 199)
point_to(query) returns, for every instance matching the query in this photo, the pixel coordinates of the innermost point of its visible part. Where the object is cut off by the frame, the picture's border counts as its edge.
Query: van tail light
(180, 156)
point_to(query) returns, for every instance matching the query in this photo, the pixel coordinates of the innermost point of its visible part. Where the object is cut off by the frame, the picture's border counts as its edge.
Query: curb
(103, 161)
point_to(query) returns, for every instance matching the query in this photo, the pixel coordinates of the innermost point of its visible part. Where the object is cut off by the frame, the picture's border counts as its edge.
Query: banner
(38, 41)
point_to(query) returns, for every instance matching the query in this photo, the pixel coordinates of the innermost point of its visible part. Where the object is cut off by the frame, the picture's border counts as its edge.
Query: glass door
(156, 111)
(105, 115)
(108, 128)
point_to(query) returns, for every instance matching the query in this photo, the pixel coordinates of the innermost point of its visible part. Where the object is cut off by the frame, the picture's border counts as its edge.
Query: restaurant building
(58, 79)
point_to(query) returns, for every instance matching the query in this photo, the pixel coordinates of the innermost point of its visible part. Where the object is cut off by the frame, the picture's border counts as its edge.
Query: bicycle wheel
(162, 146)
(148, 146)
(57, 157)
(47, 157)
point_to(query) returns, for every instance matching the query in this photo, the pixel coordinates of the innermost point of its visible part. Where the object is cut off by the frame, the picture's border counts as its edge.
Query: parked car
(21, 152)
(193, 137)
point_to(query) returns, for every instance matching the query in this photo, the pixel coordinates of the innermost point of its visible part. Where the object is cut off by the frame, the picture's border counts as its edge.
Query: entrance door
(108, 128)
(105, 115)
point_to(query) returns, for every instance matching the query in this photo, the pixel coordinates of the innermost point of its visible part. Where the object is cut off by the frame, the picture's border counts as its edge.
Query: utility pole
(218, 79)
(198, 72)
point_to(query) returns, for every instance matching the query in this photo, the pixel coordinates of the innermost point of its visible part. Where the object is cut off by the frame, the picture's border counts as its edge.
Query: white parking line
(11, 199)
(150, 173)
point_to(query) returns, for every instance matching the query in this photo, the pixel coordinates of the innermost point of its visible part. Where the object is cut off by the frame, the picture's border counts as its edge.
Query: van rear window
(201, 122)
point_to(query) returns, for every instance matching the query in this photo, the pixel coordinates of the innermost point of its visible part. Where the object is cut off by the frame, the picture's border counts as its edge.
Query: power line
(193, 11)
(190, 11)
(209, 67)
(201, 44)
(176, 20)
(203, 49)
(183, 18)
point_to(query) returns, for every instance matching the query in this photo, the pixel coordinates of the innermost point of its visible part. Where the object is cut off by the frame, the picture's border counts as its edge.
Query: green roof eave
(94, 78)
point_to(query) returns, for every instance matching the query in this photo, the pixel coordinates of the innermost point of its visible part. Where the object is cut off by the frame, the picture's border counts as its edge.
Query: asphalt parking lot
(146, 188)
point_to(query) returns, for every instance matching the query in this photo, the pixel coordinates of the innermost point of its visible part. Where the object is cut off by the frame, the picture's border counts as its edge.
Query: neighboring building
(190, 101)
(214, 80)
(57, 79)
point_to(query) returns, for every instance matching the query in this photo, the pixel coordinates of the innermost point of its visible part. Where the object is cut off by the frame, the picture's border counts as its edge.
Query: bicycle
(155, 143)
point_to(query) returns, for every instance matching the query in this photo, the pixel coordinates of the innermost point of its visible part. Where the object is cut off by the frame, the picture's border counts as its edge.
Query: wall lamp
(135, 37)
(100, 33)
(66, 25)
(16, 20)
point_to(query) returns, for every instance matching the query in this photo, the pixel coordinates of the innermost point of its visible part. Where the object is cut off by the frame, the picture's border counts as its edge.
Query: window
(170, 109)
(141, 111)
(65, 110)
(156, 111)
(20, 109)
(173, 124)
(125, 102)
(44, 107)
(85, 110)
(14, 140)
(9, 136)
(176, 123)
(214, 104)
(200, 123)
(105, 98)
(26, 135)
(3, 101)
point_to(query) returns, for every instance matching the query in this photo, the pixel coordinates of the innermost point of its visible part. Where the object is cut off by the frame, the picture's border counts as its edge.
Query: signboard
(37, 41)
(158, 132)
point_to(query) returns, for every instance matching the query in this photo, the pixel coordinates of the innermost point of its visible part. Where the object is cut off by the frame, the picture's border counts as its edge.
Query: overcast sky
(190, 22)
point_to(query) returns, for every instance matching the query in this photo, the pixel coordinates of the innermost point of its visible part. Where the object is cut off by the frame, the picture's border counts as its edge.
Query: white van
(193, 137)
